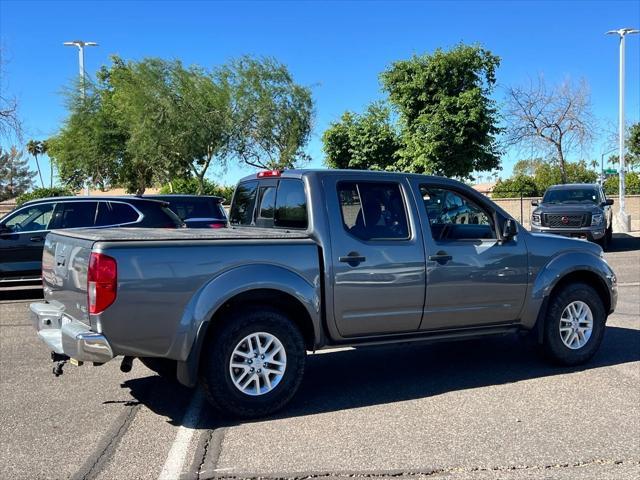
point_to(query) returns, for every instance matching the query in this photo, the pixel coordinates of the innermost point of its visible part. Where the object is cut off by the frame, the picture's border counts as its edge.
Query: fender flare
(553, 273)
(218, 291)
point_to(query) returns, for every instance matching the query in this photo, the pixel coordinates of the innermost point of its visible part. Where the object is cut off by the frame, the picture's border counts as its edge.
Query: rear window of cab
(272, 203)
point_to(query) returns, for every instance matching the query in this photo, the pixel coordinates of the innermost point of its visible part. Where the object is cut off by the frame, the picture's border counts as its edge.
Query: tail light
(102, 279)
(269, 173)
(217, 225)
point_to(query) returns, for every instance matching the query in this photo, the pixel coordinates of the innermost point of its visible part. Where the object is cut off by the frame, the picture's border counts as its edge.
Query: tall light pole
(625, 220)
(80, 44)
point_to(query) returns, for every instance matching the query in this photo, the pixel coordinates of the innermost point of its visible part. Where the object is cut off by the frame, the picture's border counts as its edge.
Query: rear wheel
(254, 364)
(574, 325)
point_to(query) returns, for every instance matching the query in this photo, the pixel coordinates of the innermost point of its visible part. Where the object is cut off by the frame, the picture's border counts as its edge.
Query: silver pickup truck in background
(316, 259)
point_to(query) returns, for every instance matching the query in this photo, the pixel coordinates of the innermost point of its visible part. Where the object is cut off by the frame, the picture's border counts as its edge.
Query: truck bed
(164, 234)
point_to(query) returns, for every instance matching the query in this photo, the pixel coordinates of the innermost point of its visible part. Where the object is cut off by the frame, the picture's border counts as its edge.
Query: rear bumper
(67, 336)
(590, 233)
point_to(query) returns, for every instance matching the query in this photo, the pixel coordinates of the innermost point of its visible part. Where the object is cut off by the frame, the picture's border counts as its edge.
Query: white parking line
(174, 463)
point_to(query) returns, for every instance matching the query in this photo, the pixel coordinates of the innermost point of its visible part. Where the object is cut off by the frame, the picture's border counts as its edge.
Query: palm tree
(34, 147)
(44, 148)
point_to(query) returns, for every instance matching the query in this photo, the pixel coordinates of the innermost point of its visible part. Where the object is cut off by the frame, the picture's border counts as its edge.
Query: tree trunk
(39, 171)
(563, 169)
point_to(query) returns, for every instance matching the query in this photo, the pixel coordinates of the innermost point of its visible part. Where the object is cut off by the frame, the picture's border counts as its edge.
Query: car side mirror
(4, 229)
(535, 203)
(608, 201)
(509, 230)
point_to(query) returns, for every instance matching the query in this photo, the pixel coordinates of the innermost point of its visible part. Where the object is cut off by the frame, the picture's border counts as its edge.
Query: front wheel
(254, 364)
(574, 325)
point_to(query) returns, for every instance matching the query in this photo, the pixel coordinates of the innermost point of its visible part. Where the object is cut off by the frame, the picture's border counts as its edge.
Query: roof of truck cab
(182, 234)
(571, 186)
(299, 173)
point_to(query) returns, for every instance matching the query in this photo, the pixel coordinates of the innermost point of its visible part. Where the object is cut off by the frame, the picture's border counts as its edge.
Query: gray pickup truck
(579, 210)
(316, 259)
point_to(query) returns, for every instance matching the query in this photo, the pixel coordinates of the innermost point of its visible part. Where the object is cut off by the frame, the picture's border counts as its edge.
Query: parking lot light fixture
(80, 44)
(625, 220)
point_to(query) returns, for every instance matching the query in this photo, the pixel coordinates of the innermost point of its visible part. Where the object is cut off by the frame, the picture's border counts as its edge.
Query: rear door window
(75, 214)
(373, 210)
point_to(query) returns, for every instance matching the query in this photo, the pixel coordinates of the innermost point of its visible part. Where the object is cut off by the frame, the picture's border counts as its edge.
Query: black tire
(609, 235)
(604, 242)
(215, 376)
(162, 366)
(554, 347)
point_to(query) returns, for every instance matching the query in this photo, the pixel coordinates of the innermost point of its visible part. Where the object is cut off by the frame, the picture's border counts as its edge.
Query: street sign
(610, 171)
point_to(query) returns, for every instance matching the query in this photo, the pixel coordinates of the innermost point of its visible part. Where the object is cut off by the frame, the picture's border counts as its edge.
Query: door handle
(36, 239)
(440, 257)
(353, 259)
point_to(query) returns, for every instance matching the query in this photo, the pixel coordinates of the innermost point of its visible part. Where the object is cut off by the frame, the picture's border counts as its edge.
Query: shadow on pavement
(623, 242)
(382, 375)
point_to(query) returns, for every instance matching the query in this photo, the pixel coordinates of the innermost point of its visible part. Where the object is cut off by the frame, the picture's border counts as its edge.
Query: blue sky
(337, 48)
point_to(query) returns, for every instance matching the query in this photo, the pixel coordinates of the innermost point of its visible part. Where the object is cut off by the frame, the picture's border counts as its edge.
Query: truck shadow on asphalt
(383, 375)
(623, 242)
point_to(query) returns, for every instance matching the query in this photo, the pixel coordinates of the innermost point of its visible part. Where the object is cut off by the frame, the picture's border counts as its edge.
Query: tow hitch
(59, 361)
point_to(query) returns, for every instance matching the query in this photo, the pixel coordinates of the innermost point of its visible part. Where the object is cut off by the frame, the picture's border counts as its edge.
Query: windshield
(578, 195)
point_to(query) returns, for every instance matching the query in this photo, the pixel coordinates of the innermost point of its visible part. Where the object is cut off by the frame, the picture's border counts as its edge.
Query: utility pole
(80, 44)
(625, 219)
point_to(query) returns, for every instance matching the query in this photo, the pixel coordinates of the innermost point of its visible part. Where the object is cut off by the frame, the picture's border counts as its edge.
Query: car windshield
(574, 195)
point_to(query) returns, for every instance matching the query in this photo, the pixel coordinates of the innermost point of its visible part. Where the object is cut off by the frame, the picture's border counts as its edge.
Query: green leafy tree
(44, 193)
(365, 142)
(632, 156)
(15, 176)
(518, 185)
(447, 117)
(611, 184)
(191, 186)
(273, 113)
(34, 147)
(527, 166)
(574, 172)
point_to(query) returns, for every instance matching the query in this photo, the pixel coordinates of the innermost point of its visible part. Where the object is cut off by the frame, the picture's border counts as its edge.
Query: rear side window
(244, 201)
(75, 214)
(373, 210)
(115, 213)
(291, 205)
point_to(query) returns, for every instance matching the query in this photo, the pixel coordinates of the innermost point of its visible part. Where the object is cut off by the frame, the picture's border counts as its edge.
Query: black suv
(575, 210)
(196, 211)
(22, 231)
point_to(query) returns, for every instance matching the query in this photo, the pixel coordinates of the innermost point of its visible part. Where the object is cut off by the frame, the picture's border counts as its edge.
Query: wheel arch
(270, 286)
(579, 273)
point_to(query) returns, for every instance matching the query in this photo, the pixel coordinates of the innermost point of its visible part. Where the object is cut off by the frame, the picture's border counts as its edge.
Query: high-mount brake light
(269, 173)
(102, 279)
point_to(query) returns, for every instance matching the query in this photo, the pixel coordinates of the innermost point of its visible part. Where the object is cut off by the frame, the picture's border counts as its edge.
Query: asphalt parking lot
(473, 409)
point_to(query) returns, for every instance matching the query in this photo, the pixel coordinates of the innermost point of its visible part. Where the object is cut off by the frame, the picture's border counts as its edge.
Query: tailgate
(65, 261)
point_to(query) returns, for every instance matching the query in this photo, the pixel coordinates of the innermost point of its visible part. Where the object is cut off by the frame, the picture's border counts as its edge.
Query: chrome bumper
(67, 336)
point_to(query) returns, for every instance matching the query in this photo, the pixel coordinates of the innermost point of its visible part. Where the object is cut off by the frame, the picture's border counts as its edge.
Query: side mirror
(509, 230)
(608, 201)
(535, 203)
(4, 229)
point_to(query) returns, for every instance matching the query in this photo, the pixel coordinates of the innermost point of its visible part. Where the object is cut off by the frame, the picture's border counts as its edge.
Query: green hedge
(44, 193)
(611, 184)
